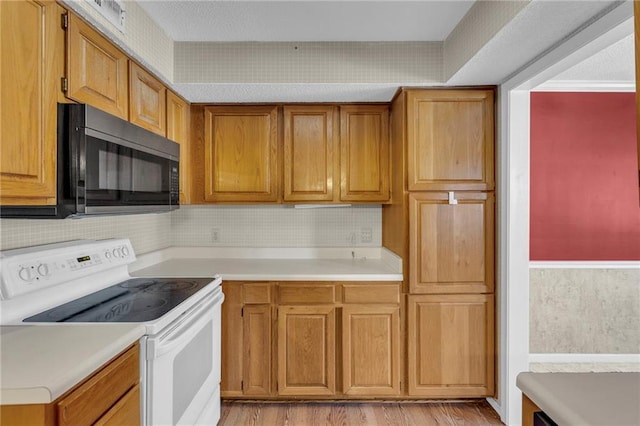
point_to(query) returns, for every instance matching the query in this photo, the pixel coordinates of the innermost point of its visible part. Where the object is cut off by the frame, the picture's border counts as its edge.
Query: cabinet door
(306, 350)
(241, 150)
(451, 246)
(364, 153)
(257, 350)
(232, 352)
(97, 71)
(451, 345)
(29, 76)
(310, 155)
(147, 101)
(371, 350)
(178, 131)
(450, 139)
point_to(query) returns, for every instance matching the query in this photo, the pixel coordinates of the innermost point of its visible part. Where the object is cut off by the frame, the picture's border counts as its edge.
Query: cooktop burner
(134, 300)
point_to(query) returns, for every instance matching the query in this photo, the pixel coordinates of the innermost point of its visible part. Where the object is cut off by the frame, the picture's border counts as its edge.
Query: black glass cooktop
(134, 300)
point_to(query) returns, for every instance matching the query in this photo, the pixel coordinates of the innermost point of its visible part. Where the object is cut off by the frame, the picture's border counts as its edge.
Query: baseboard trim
(584, 358)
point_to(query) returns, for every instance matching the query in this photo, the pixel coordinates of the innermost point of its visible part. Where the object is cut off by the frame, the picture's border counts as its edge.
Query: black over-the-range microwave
(107, 165)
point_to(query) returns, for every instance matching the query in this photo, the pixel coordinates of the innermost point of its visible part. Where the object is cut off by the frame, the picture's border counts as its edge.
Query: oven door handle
(184, 329)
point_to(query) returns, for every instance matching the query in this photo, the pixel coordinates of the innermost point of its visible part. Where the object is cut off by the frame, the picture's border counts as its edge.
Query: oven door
(182, 380)
(120, 176)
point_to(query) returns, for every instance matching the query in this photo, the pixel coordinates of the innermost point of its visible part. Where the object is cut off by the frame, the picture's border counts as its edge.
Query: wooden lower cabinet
(306, 350)
(451, 345)
(246, 340)
(310, 340)
(111, 396)
(256, 366)
(371, 350)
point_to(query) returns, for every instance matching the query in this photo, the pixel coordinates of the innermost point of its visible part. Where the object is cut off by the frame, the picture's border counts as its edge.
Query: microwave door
(107, 173)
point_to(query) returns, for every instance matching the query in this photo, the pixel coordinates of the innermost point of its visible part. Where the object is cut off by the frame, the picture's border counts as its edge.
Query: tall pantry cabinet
(441, 222)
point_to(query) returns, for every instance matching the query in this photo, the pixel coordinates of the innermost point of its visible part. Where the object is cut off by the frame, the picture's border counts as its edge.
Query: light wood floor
(239, 413)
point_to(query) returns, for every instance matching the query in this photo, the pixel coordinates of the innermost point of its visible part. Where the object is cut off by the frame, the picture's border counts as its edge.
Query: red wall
(584, 177)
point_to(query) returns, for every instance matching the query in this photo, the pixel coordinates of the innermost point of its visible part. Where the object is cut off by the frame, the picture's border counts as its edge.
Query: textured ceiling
(539, 26)
(615, 63)
(306, 20)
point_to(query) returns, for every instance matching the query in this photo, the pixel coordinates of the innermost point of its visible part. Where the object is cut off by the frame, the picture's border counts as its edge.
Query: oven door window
(118, 175)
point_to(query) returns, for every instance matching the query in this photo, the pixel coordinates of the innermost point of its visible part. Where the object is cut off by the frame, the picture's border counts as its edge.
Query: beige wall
(309, 62)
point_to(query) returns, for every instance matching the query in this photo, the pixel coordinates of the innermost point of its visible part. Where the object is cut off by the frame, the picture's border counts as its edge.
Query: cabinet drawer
(291, 294)
(125, 412)
(371, 293)
(257, 293)
(88, 402)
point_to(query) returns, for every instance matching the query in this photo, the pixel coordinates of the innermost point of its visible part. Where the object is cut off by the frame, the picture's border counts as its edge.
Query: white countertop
(39, 363)
(271, 265)
(585, 399)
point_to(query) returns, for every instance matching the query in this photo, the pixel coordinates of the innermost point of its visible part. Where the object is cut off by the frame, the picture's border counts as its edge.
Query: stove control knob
(125, 251)
(117, 252)
(25, 274)
(43, 269)
(107, 255)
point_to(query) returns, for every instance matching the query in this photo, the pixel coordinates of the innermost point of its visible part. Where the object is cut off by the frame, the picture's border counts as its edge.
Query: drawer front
(295, 294)
(257, 293)
(125, 412)
(371, 293)
(89, 401)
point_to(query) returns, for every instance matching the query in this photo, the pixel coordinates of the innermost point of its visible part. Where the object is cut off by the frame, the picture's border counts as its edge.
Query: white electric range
(87, 281)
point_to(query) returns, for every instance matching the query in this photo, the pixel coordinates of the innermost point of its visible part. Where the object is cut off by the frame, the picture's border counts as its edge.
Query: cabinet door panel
(257, 350)
(97, 71)
(147, 101)
(451, 245)
(306, 350)
(178, 131)
(29, 78)
(309, 153)
(451, 345)
(371, 350)
(450, 135)
(364, 153)
(232, 351)
(241, 149)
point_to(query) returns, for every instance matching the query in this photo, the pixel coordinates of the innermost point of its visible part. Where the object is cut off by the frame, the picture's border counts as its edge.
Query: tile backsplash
(277, 226)
(148, 232)
(228, 226)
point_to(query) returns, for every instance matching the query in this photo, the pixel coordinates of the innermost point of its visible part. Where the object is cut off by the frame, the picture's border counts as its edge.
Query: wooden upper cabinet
(97, 71)
(371, 350)
(147, 100)
(30, 39)
(310, 153)
(364, 153)
(306, 350)
(241, 154)
(451, 246)
(178, 131)
(451, 345)
(450, 140)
